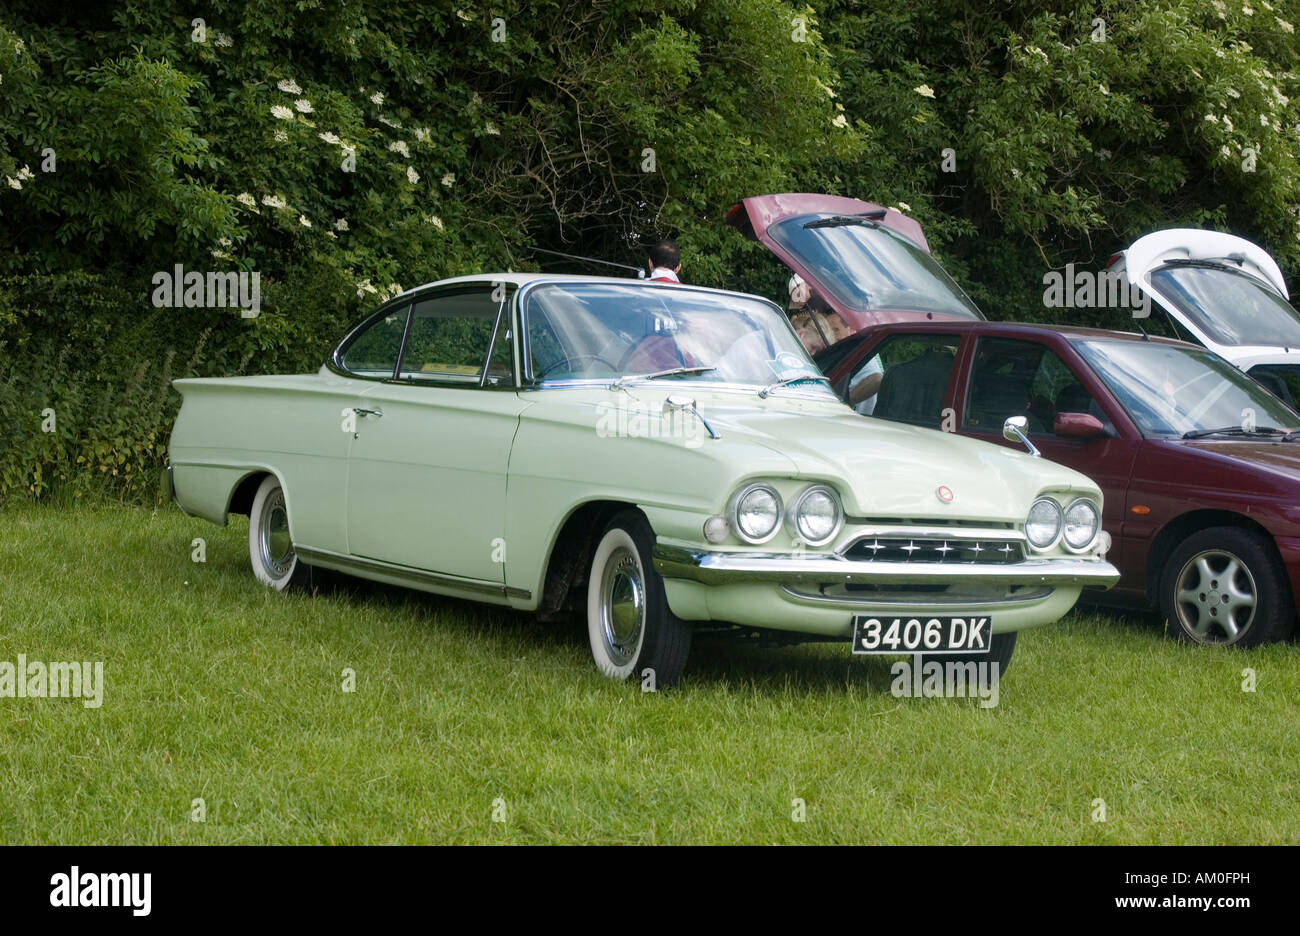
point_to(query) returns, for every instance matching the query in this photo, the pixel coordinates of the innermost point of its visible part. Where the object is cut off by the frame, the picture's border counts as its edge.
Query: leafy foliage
(342, 150)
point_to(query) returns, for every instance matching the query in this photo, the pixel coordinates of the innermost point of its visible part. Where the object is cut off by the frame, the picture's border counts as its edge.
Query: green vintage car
(645, 457)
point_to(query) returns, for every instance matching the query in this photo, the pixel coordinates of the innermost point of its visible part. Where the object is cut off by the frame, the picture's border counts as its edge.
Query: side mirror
(1014, 430)
(1078, 426)
(678, 402)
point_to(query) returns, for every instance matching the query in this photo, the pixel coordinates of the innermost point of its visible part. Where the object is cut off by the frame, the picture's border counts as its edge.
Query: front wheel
(270, 548)
(1000, 649)
(629, 624)
(1226, 586)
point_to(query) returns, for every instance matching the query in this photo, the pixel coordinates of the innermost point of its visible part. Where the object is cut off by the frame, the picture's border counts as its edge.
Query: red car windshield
(1176, 392)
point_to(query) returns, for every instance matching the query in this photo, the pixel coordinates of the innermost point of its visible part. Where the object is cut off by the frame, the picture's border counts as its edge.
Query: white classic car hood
(883, 469)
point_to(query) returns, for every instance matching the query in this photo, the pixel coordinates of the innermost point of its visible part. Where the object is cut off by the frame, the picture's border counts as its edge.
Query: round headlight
(1081, 523)
(1043, 525)
(816, 515)
(757, 513)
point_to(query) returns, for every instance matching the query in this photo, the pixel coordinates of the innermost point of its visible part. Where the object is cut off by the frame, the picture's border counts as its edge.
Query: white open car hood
(1219, 326)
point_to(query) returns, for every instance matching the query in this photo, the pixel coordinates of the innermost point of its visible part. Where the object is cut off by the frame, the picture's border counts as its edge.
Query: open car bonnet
(870, 264)
(1227, 292)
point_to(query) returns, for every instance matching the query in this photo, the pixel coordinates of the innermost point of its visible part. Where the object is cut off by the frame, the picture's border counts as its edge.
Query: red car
(1199, 464)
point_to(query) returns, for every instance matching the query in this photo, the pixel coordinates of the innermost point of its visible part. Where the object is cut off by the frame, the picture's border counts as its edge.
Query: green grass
(218, 688)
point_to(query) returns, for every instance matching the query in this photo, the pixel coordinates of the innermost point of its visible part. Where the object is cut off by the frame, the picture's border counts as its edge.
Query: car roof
(1067, 331)
(524, 279)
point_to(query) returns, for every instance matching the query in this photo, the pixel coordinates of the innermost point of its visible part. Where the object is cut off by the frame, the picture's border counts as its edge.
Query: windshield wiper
(670, 372)
(1232, 430)
(786, 381)
(867, 217)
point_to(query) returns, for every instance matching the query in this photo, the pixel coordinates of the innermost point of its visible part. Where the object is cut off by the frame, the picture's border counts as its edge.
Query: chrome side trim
(418, 577)
(719, 568)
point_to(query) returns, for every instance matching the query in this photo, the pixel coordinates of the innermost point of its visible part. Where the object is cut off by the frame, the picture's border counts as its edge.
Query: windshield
(608, 331)
(1170, 390)
(868, 266)
(1232, 308)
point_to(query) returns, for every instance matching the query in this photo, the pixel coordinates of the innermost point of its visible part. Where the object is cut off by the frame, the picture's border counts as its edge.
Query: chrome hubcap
(1215, 597)
(277, 548)
(622, 606)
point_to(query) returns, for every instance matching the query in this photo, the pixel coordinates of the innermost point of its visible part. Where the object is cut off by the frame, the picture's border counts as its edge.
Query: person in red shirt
(664, 262)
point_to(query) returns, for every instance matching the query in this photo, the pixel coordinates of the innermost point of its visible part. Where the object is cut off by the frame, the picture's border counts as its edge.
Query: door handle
(367, 412)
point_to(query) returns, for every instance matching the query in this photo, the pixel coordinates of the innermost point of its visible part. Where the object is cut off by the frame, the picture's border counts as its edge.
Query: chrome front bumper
(719, 568)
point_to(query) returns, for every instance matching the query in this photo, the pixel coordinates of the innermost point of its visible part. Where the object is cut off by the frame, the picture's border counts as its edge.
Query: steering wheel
(573, 360)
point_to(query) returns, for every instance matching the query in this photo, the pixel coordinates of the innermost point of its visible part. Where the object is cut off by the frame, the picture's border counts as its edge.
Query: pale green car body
(473, 491)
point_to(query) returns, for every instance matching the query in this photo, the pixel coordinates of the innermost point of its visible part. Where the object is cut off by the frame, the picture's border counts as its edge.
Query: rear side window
(374, 352)
(915, 374)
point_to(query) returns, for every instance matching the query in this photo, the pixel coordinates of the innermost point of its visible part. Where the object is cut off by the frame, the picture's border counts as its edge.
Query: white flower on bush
(394, 289)
(1227, 122)
(281, 112)
(288, 86)
(411, 175)
(274, 201)
(26, 174)
(13, 183)
(491, 129)
(304, 221)
(1247, 10)
(223, 41)
(434, 220)
(1212, 118)
(1103, 89)
(330, 138)
(391, 123)
(303, 105)
(1286, 27)
(377, 97)
(448, 180)
(281, 136)
(924, 90)
(904, 206)
(422, 134)
(364, 287)
(399, 146)
(1234, 93)
(341, 224)
(247, 200)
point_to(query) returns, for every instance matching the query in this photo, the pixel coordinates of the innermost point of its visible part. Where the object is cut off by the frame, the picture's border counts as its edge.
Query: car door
(905, 377)
(427, 470)
(1014, 376)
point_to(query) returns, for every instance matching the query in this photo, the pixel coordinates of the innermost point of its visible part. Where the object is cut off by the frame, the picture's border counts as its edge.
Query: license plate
(921, 634)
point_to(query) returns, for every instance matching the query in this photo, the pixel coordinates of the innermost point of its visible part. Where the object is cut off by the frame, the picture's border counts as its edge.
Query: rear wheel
(1226, 586)
(629, 625)
(270, 548)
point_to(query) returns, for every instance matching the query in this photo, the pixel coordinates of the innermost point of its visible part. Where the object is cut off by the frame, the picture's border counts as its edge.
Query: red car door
(1040, 377)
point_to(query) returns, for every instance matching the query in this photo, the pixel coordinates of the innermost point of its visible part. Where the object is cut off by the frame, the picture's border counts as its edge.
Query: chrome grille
(927, 549)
